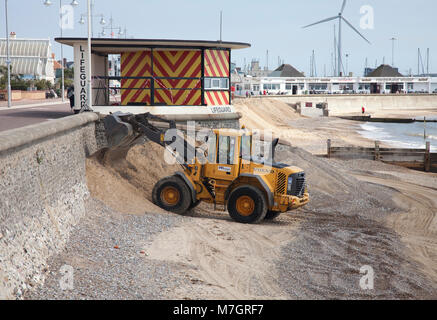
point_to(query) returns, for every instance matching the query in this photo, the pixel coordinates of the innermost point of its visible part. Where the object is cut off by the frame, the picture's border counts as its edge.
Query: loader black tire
(172, 194)
(194, 204)
(272, 215)
(247, 204)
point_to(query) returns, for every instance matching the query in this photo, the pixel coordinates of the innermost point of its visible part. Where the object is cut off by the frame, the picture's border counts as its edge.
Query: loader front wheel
(194, 204)
(272, 215)
(247, 204)
(172, 194)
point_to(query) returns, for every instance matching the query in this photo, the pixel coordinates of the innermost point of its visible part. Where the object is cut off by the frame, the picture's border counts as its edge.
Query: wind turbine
(340, 19)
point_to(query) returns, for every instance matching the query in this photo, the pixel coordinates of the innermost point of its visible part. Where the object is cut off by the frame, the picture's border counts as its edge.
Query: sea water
(402, 135)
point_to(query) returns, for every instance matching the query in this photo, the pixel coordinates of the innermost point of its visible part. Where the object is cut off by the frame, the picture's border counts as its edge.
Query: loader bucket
(119, 134)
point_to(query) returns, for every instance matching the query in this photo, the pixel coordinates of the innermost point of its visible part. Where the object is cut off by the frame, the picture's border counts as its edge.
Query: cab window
(246, 147)
(226, 151)
(212, 145)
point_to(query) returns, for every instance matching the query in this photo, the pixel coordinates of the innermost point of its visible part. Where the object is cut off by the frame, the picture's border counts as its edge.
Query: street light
(74, 3)
(347, 64)
(82, 18)
(8, 60)
(90, 92)
(111, 28)
(393, 51)
(82, 21)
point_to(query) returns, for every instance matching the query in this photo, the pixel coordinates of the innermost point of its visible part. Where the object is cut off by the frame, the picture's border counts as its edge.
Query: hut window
(217, 83)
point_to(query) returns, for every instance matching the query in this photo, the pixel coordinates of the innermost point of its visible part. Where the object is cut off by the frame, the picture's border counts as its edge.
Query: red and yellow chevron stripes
(178, 83)
(168, 64)
(177, 64)
(136, 64)
(216, 98)
(175, 97)
(217, 63)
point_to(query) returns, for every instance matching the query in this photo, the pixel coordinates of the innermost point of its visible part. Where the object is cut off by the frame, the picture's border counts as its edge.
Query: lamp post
(393, 51)
(90, 7)
(8, 60)
(74, 3)
(347, 64)
(90, 92)
(112, 28)
(92, 16)
(120, 33)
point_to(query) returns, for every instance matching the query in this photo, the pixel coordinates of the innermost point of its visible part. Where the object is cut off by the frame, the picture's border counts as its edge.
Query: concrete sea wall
(42, 195)
(43, 192)
(344, 104)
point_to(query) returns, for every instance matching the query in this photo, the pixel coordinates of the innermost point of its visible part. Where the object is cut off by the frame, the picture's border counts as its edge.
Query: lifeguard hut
(179, 79)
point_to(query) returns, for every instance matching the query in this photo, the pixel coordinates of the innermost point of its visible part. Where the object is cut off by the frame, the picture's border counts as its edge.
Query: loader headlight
(290, 183)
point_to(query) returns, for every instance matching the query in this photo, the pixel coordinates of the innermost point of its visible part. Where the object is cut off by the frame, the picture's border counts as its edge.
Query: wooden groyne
(385, 120)
(410, 158)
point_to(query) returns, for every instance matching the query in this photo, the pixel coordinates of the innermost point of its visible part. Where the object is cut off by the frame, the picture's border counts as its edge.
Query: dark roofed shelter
(385, 70)
(288, 71)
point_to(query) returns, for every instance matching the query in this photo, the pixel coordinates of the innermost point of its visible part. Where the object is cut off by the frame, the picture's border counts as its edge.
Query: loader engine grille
(298, 185)
(281, 184)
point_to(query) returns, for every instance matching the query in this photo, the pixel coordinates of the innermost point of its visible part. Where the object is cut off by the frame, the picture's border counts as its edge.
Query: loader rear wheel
(272, 215)
(172, 194)
(247, 204)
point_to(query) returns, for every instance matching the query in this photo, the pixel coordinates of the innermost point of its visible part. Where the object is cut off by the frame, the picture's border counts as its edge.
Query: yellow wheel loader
(225, 174)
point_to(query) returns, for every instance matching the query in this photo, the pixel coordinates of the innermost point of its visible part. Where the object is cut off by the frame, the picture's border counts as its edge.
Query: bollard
(329, 148)
(427, 162)
(424, 128)
(377, 154)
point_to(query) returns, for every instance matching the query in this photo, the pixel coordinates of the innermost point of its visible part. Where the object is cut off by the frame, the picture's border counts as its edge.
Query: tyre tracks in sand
(417, 221)
(224, 259)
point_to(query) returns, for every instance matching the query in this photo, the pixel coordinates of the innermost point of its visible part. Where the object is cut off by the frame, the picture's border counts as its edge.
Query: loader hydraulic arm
(124, 130)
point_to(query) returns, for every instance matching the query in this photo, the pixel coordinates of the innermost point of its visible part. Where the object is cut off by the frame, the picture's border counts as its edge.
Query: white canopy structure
(29, 57)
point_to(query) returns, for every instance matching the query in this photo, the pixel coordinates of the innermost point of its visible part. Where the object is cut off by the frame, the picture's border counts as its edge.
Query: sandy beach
(310, 134)
(361, 213)
(416, 192)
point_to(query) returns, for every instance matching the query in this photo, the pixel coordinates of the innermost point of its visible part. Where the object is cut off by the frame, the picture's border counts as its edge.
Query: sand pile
(361, 213)
(125, 182)
(265, 114)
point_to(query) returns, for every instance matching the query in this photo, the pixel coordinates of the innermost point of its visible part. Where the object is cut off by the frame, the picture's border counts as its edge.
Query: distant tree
(68, 82)
(69, 73)
(3, 77)
(43, 84)
(3, 70)
(18, 83)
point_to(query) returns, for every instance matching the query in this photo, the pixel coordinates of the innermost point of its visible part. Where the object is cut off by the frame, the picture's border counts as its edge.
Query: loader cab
(224, 154)
(235, 147)
(231, 152)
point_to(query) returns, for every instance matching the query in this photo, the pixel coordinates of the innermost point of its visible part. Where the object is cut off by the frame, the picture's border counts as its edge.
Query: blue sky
(274, 25)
